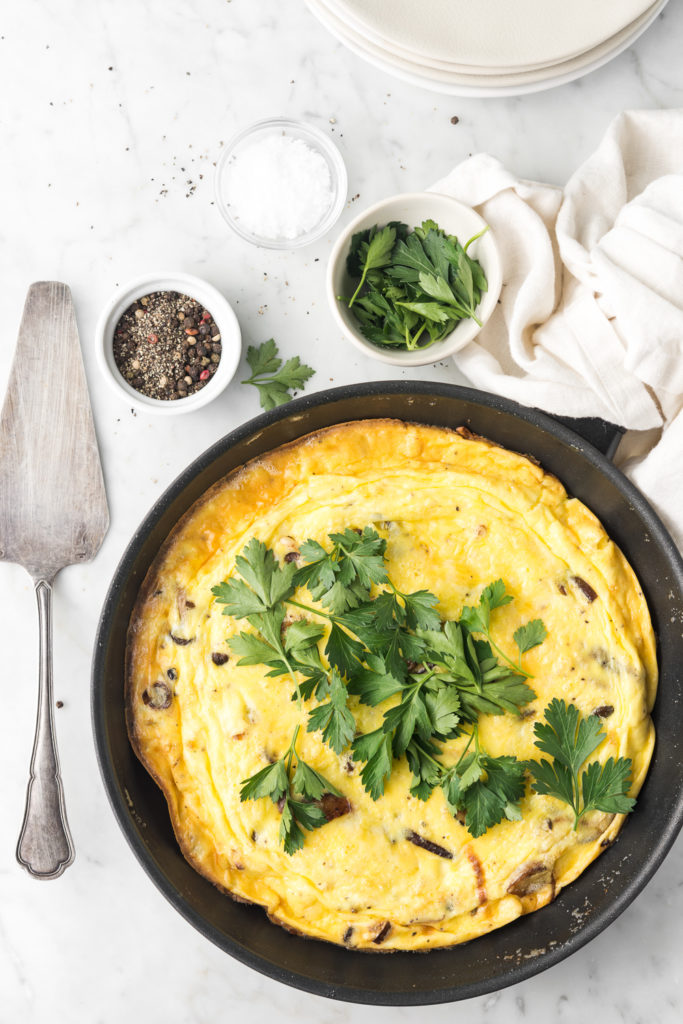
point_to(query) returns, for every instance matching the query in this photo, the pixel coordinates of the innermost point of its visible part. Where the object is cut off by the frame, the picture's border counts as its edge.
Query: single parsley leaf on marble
(570, 740)
(273, 380)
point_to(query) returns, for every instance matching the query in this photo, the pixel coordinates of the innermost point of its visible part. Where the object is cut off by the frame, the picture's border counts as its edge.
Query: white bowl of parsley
(414, 278)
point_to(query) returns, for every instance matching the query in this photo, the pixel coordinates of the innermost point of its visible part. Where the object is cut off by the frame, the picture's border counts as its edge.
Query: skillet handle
(600, 433)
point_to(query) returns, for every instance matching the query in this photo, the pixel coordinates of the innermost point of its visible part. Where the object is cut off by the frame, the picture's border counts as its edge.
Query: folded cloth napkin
(590, 321)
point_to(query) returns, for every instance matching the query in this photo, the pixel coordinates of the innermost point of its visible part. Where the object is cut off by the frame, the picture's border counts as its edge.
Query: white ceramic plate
(512, 34)
(478, 86)
(389, 50)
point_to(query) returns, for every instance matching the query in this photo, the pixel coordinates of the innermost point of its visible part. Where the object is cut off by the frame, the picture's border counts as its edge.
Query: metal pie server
(53, 513)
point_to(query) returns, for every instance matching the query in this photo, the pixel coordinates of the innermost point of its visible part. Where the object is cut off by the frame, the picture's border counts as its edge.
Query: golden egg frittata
(456, 512)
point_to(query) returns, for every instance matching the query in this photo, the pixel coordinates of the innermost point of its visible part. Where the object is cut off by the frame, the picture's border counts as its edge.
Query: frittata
(456, 512)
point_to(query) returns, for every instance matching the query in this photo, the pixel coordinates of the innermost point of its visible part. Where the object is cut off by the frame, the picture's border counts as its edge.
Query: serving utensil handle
(45, 847)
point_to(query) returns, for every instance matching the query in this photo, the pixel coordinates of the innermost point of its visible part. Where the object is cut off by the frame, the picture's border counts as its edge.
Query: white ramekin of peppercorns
(168, 343)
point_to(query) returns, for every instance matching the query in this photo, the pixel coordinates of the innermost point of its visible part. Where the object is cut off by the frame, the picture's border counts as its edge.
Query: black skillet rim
(517, 972)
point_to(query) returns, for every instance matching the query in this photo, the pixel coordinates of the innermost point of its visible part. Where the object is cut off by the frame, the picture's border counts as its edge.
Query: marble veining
(112, 115)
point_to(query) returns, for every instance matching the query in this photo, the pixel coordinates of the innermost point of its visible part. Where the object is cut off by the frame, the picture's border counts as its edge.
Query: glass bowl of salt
(281, 184)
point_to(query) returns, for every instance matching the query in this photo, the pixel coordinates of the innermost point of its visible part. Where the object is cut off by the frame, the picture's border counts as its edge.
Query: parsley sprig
(570, 740)
(485, 789)
(478, 620)
(273, 380)
(277, 782)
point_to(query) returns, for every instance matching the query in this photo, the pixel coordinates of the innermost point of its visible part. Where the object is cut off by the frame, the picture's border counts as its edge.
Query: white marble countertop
(113, 114)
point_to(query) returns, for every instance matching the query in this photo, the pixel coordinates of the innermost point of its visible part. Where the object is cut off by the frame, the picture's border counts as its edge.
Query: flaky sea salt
(278, 187)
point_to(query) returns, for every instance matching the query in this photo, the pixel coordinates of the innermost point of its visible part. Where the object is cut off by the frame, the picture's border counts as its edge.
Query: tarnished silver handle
(45, 848)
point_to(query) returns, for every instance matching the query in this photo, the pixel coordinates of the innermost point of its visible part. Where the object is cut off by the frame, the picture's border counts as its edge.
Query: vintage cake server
(53, 513)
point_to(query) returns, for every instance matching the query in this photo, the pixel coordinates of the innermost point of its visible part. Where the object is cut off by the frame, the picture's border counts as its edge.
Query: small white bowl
(316, 140)
(412, 208)
(194, 288)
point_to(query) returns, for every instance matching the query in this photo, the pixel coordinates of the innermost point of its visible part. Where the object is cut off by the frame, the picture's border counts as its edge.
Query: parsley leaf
(341, 578)
(484, 686)
(301, 635)
(273, 380)
(264, 582)
(427, 772)
(310, 783)
(375, 749)
(254, 650)
(530, 635)
(344, 652)
(485, 788)
(374, 684)
(570, 740)
(566, 736)
(271, 781)
(333, 718)
(370, 250)
(264, 359)
(478, 619)
(289, 834)
(604, 787)
(297, 813)
(406, 718)
(420, 610)
(444, 710)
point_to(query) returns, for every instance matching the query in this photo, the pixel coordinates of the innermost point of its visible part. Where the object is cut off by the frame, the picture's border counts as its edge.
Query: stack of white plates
(487, 47)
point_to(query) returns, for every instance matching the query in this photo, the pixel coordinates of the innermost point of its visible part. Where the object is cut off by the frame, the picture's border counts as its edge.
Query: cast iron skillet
(509, 954)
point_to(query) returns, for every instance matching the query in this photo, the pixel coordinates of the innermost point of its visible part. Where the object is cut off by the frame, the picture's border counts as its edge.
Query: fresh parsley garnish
(380, 645)
(273, 380)
(570, 740)
(412, 286)
(530, 635)
(478, 618)
(333, 718)
(374, 748)
(277, 782)
(485, 789)
(264, 582)
(342, 578)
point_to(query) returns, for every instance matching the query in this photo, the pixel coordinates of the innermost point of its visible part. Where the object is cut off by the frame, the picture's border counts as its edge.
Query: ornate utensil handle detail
(45, 848)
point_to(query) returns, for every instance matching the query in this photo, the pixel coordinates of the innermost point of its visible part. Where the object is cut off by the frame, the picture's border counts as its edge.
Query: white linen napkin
(590, 321)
